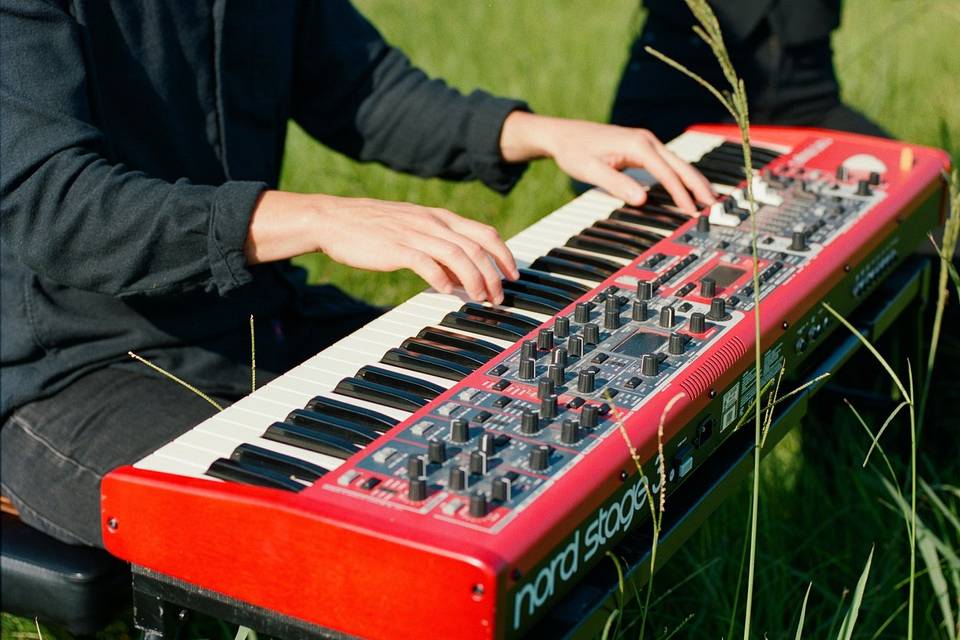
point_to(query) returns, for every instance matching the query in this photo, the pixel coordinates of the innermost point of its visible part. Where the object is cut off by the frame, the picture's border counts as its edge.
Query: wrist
(285, 225)
(527, 136)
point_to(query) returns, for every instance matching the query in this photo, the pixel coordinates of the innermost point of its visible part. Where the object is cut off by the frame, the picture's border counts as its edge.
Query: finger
(451, 256)
(616, 183)
(425, 267)
(487, 237)
(649, 159)
(693, 179)
(478, 255)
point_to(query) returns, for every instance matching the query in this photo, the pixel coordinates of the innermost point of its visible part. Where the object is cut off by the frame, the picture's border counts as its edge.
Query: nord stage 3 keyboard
(454, 468)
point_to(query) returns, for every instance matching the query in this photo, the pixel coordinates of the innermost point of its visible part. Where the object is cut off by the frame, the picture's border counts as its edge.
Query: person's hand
(595, 153)
(441, 247)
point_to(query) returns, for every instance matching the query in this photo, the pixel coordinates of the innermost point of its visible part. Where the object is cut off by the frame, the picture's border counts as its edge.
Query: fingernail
(499, 299)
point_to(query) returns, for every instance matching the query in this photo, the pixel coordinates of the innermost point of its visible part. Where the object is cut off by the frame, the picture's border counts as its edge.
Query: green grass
(820, 512)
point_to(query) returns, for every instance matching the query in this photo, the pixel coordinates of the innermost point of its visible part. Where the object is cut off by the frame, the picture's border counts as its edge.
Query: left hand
(595, 153)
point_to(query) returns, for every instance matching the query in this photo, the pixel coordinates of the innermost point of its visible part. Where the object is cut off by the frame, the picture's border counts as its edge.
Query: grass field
(820, 511)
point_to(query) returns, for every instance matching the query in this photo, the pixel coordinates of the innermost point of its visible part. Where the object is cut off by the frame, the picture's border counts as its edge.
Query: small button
(600, 358)
(482, 417)
(369, 483)
(502, 401)
(500, 385)
(633, 382)
(498, 370)
(575, 403)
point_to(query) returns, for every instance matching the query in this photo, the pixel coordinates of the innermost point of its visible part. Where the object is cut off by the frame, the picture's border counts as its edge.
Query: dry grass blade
(850, 619)
(803, 613)
(253, 357)
(179, 381)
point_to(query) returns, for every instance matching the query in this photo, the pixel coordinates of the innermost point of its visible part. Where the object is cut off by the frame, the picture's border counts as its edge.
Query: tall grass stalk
(735, 102)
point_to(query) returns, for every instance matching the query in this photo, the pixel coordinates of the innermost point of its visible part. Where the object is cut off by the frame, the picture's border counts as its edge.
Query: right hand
(441, 247)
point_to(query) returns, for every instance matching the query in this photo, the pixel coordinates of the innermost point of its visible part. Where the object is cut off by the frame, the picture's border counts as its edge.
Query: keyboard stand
(162, 606)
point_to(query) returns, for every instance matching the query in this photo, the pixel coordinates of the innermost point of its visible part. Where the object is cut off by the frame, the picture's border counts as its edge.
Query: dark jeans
(794, 86)
(56, 450)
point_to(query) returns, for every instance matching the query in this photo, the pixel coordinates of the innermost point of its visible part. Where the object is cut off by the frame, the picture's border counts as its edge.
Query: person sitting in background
(781, 49)
(142, 144)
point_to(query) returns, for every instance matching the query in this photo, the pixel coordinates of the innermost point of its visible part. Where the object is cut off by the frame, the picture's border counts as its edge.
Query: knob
(874, 178)
(544, 387)
(703, 224)
(548, 407)
(644, 290)
(570, 432)
(639, 310)
(718, 309)
(611, 304)
(589, 416)
(478, 462)
(649, 365)
(417, 489)
(581, 313)
(459, 431)
(529, 422)
(667, 317)
(863, 188)
(478, 504)
(501, 489)
(559, 357)
(437, 451)
(561, 328)
(457, 479)
(591, 333)
(611, 320)
(540, 458)
(488, 444)
(586, 381)
(414, 467)
(708, 287)
(842, 173)
(528, 349)
(676, 344)
(729, 204)
(528, 369)
(545, 339)
(798, 242)
(575, 346)
(698, 322)
(556, 373)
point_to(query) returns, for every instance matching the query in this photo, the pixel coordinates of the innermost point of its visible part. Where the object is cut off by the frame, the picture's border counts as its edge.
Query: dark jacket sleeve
(75, 217)
(357, 94)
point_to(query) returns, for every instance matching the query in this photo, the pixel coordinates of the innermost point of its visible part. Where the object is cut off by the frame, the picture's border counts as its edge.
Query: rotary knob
(575, 346)
(559, 357)
(414, 467)
(644, 290)
(586, 381)
(556, 373)
(798, 241)
(544, 387)
(581, 313)
(639, 310)
(459, 431)
(478, 462)
(698, 322)
(436, 451)
(478, 504)
(589, 416)
(548, 407)
(718, 309)
(591, 333)
(417, 489)
(528, 349)
(561, 328)
(649, 365)
(457, 479)
(676, 345)
(611, 320)
(545, 340)
(667, 317)
(529, 422)
(540, 458)
(703, 224)
(528, 369)
(708, 287)
(488, 444)
(570, 432)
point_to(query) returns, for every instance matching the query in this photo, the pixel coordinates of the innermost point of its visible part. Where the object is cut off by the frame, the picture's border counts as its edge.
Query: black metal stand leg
(158, 619)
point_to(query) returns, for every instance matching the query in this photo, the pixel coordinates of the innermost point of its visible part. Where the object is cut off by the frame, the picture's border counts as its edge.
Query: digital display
(640, 343)
(725, 276)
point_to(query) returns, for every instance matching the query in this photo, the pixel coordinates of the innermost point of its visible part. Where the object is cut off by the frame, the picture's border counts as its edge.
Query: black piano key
(500, 314)
(334, 426)
(352, 413)
(460, 341)
(759, 152)
(629, 229)
(297, 435)
(570, 268)
(410, 384)
(541, 290)
(252, 455)
(236, 471)
(529, 302)
(423, 363)
(720, 177)
(540, 277)
(603, 247)
(379, 394)
(469, 359)
(593, 261)
(483, 326)
(733, 158)
(641, 218)
(638, 246)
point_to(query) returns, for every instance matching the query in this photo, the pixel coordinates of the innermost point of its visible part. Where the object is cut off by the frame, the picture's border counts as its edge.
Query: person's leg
(55, 451)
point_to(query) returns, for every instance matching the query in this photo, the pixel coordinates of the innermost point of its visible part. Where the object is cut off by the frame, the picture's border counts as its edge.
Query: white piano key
(298, 379)
(400, 331)
(343, 362)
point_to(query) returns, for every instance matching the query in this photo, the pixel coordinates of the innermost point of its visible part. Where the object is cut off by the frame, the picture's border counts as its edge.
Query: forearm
(527, 136)
(283, 225)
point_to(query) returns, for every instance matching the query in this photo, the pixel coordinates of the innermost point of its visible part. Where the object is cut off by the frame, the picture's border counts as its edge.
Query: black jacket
(135, 139)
